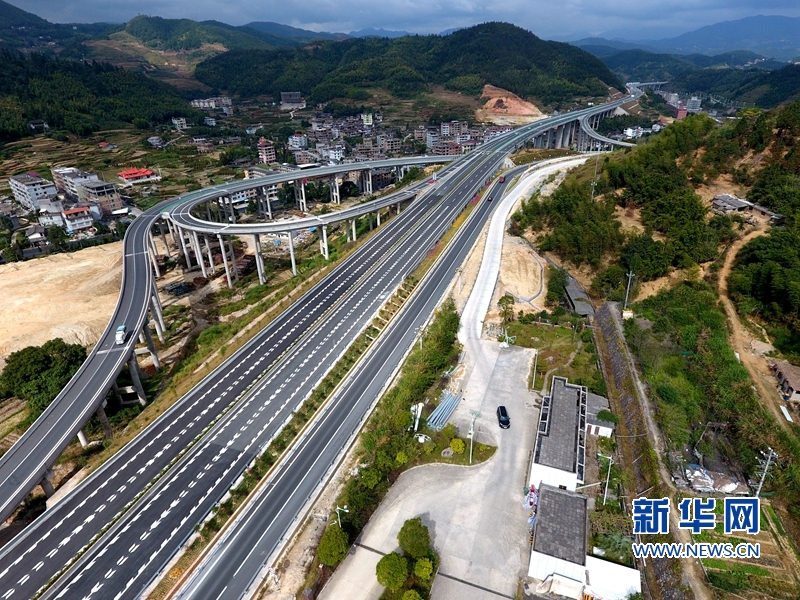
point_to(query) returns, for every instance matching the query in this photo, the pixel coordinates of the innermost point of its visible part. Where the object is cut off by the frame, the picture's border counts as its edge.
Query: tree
(392, 571)
(333, 546)
(36, 374)
(414, 538)
(423, 568)
(411, 595)
(506, 305)
(457, 445)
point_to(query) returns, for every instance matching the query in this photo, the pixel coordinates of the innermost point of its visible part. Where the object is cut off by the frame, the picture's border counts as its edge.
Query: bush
(423, 569)
(449, 432)
(411, 595)
(333, 546)
(414, 538)
(392, 571)
(457, 445)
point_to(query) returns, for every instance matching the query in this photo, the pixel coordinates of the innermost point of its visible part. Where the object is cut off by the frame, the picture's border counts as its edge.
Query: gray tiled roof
(594, 404)
(578, 298)
(561, 525)
(559, 427)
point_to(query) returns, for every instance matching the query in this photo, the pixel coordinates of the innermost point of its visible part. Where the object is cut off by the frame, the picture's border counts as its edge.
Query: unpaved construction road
(740, 337)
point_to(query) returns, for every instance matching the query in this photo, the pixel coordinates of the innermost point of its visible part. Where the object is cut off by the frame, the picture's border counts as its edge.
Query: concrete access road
(124, 561)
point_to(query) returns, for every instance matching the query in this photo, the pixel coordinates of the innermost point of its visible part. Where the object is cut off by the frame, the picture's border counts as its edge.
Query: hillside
(740, 76)
(20, 29)
(79, 97)
(185, 34)
(499, 54)
(773, 36)
(287, 32)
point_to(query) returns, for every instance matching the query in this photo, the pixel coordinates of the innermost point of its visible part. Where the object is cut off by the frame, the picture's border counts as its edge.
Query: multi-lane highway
(43, 549)
(123, 560)
(73, 522)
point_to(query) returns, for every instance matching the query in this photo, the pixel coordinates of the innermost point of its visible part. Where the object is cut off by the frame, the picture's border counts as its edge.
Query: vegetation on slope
(495, 53)
(185, 34)
(585, 230)
(79, 97)
(765, 281)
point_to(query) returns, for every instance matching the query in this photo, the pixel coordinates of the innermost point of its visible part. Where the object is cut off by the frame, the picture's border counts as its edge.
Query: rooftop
(559, 440)
(578, 298)
(561, 525)
(729, 202)
(75, 211)
(135, 173)
(791, 373)
(594, 404)
(96, 184)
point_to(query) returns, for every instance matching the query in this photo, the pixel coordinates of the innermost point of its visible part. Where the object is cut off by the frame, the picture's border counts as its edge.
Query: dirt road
(740, 338)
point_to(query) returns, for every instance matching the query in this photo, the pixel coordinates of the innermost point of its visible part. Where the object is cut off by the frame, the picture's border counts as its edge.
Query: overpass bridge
(28, 462)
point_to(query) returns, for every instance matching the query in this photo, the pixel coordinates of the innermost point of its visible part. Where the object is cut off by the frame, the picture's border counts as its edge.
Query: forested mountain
(287, 32)
(497, 53)
(185, 34)
(774, 36)
(21, 29)
(79, 97)
(740, 76)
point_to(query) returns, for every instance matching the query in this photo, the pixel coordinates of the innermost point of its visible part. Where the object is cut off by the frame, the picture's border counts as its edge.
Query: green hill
(496, 53)
(20, 29)
(79, 97)
(185, 34)
(740, 76)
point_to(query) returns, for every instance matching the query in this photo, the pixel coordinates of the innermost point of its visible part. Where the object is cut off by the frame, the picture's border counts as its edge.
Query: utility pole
(631, 275)
(770, 456)
(475, 414)
(608, 476)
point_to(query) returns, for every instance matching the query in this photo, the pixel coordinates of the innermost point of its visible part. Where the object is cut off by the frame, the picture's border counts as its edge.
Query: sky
(563, 20)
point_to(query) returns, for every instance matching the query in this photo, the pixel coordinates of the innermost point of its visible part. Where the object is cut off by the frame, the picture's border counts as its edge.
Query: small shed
(594, 425)
(788, 376)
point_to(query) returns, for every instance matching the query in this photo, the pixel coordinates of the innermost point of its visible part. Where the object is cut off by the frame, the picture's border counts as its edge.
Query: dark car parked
(502, 417)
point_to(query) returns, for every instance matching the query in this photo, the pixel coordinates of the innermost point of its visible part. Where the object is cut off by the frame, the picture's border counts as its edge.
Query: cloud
(634, 19)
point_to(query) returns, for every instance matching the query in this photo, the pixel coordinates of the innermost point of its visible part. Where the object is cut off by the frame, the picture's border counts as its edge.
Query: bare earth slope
(70, 296)
(505, 108)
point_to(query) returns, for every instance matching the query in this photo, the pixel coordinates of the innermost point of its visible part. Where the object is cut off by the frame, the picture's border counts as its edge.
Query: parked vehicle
(122, 332)
(502, 417)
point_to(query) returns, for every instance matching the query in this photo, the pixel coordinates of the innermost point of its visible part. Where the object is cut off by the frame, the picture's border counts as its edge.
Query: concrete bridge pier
(151, 252)
(370, 221)
(164, 238)
(265, 204)
(198, 252)
(300, 195)
(335, 195)
(151, 347)
(208, 212)
(103, 418)
(158, 313)
(159, 329)
(82, 438)
(365, 181)
(133, 367)
(354, 229)
(323, 242)
(46, 485)
(186, 256)
(259, 259)
(291, 253)
(225, 260)
(211, 268)
(378, 215)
